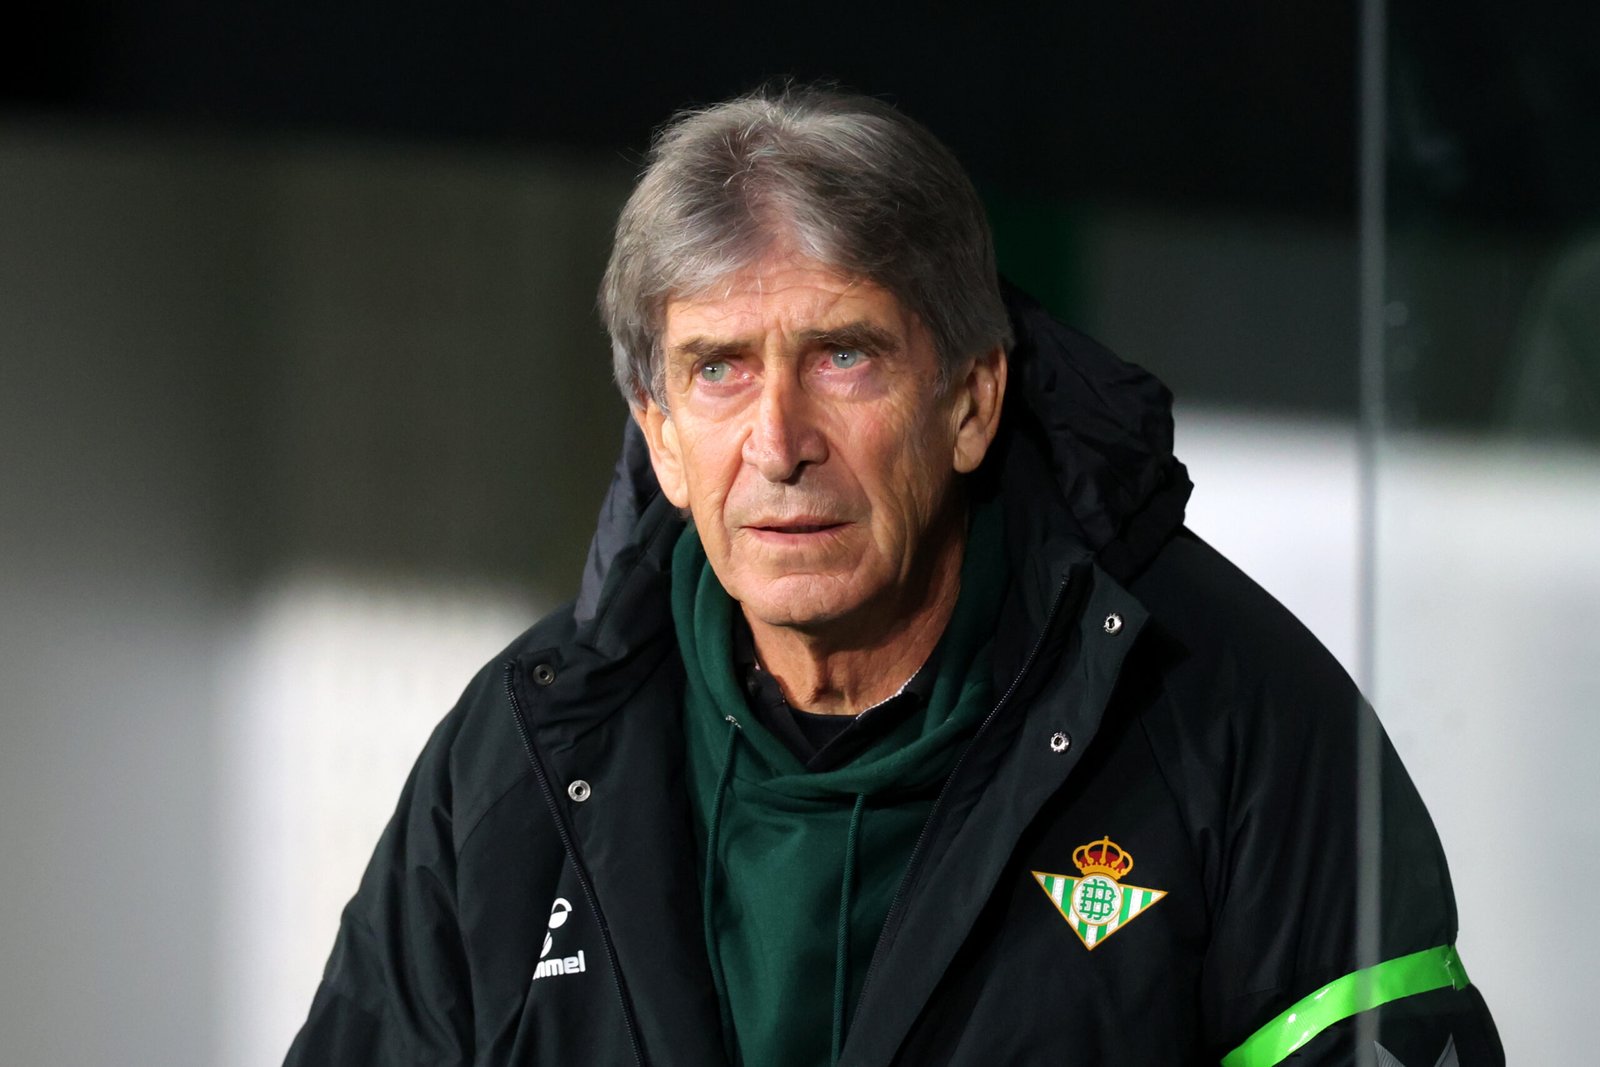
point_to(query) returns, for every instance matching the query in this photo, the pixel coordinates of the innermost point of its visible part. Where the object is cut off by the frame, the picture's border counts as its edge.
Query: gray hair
(850, 181)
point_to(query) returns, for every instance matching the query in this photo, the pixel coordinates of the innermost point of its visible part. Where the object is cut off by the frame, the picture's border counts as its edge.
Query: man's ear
(661, 434)
(977, 402)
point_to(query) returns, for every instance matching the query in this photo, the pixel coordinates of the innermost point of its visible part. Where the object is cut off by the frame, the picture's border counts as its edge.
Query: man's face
(807, 434)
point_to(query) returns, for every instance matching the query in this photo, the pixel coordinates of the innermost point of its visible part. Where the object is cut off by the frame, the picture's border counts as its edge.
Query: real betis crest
(1097, 904)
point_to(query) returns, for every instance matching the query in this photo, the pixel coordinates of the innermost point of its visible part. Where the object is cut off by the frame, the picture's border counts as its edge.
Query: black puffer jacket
(535, 899)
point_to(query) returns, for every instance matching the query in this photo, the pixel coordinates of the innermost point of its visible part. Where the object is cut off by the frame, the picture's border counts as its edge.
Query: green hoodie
(800, 867)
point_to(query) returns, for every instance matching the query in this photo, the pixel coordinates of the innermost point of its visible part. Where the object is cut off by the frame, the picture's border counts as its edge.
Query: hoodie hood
(1083, 460)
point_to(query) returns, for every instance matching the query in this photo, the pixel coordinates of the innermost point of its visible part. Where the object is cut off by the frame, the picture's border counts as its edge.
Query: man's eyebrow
(857, 334)
(699, 348)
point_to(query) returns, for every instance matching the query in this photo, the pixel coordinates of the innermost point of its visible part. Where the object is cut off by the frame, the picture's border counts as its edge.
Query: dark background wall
(1246, 108)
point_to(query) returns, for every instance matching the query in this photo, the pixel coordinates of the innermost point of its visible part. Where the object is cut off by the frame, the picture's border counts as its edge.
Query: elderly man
(900, 720)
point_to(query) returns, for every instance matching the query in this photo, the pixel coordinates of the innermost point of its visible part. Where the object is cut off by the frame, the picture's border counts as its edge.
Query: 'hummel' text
(569, 965)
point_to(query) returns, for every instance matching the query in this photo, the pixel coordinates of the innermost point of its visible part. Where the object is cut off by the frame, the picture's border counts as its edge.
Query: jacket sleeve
(1335, 922)
(395, 989)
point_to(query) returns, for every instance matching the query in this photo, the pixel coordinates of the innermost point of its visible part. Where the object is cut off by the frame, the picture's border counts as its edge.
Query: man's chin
(810, 604)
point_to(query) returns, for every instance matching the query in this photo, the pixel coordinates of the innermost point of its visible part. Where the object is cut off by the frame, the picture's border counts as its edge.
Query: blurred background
(304, 413)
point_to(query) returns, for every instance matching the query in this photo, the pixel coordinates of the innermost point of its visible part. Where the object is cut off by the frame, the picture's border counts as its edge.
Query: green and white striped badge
(1097, 904)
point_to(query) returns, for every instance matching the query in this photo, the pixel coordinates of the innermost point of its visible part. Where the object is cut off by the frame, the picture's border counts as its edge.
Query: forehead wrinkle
(764, 272)
(740, 302)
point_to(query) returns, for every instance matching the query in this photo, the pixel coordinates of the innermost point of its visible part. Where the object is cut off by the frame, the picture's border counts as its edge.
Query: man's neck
(845, 672)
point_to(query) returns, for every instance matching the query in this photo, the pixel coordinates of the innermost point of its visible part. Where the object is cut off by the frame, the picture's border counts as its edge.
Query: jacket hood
(1083, 459)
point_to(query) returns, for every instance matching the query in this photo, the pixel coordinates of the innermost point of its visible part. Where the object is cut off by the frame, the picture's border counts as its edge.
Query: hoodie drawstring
(718, 980)
(841, 965)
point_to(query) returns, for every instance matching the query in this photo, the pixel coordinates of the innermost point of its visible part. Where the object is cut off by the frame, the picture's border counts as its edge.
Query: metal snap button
(544, 674)
(1113, 624)
(1060, 742)
(579, 790)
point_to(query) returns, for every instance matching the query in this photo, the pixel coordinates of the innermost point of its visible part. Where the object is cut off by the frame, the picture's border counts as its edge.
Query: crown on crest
(1104, 856)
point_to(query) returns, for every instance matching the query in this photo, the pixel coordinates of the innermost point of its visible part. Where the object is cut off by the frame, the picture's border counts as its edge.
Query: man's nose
(785, 437)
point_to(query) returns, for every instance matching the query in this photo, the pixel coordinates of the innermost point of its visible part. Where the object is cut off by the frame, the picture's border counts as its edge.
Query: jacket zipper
(583, 875)
(898, 900)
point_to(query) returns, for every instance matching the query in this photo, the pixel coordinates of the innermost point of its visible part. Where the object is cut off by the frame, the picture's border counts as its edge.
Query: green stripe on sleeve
(1359, 991)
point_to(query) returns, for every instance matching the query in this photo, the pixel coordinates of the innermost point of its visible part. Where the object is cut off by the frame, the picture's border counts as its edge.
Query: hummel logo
(559, 912)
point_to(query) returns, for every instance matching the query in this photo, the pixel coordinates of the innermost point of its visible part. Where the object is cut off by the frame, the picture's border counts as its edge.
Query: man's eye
(714, 372)
(845, 358)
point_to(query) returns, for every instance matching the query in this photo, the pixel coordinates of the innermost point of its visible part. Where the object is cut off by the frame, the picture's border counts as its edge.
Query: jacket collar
(1090, 436)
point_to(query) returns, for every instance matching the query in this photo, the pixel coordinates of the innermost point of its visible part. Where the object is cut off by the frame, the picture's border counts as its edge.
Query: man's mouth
(795, 528)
